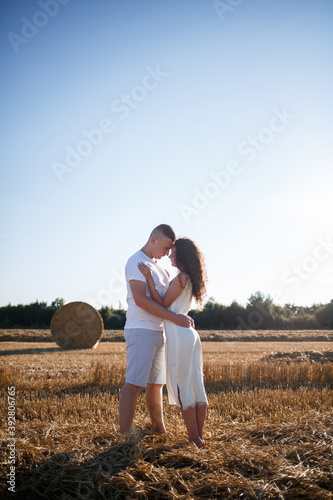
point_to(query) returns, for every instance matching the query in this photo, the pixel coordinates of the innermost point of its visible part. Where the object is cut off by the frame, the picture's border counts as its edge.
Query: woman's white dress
(183, 357)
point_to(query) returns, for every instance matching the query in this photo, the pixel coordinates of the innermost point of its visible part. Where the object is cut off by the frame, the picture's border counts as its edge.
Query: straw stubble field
(268, 432)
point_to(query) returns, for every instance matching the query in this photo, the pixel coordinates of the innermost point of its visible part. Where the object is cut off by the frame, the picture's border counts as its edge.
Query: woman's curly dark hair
(190, 260)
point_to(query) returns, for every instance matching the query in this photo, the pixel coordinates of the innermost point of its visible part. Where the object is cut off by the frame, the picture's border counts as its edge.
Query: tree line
(260, 313)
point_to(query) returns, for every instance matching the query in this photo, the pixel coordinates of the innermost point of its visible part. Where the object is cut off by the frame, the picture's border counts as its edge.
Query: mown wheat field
(269, 428)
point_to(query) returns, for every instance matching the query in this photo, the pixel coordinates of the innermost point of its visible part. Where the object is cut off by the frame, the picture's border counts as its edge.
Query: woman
(183, 354)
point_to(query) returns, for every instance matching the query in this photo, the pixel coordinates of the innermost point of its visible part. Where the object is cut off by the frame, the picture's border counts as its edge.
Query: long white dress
(183, 357)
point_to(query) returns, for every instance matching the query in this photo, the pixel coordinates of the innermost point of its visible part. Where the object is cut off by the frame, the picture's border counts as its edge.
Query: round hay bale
(77, 325)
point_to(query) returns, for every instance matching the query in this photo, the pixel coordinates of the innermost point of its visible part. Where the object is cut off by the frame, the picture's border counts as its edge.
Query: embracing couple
(161, 343)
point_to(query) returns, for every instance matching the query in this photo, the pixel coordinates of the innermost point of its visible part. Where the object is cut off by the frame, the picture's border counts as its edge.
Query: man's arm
(138, 289)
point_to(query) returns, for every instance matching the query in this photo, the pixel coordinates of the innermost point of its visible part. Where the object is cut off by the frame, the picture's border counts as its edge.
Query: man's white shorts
(145, 357)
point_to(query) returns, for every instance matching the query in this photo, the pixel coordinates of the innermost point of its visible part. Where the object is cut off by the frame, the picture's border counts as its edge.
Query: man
(144, 333)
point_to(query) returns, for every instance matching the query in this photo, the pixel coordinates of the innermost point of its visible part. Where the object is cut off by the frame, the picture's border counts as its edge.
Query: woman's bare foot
(159, 429)
(198, 442)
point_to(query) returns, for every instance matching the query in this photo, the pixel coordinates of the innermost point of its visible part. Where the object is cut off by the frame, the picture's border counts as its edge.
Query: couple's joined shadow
(100, 475)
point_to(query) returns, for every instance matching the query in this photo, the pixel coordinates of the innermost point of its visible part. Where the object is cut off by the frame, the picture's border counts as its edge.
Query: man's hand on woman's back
(183, 320)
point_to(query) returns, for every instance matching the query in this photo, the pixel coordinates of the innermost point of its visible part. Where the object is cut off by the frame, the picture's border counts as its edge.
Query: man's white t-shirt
(136, 317)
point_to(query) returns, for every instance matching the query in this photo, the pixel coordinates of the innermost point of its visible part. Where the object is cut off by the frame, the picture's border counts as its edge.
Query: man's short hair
(164, 229)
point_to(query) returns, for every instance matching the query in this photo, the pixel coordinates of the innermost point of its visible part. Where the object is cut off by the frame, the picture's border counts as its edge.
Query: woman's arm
(146, 271)
(138, 289)
(176, 286)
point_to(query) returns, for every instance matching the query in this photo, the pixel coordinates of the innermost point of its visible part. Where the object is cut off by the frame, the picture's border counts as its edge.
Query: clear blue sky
(213, 117)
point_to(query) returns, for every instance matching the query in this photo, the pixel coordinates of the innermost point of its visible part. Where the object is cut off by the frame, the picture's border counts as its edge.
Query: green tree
(324, 315)
(231, 315)
(57, 303)
(260, 311)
